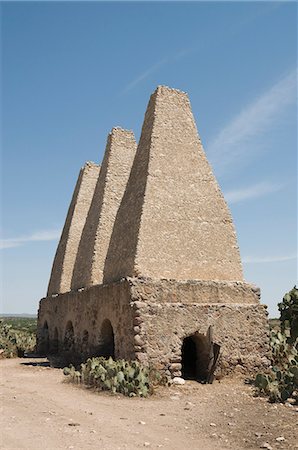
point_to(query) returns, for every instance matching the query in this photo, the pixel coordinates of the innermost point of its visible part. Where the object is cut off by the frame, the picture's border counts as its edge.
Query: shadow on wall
(106, 342)
(54, 343)
(44, 339)
(68, 343)
(79, 349)
(85, 343)
(199, 357)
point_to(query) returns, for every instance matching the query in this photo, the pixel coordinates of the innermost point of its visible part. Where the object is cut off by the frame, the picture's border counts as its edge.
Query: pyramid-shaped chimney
(173, 221)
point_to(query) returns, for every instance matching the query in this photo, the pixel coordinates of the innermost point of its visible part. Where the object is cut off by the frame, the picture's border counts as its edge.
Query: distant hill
(28, 316)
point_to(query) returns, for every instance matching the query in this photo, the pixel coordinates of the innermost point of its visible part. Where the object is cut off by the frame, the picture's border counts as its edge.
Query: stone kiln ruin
(148, 258)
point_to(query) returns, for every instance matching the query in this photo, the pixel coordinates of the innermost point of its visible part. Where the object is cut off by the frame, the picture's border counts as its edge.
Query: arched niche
(106, 340)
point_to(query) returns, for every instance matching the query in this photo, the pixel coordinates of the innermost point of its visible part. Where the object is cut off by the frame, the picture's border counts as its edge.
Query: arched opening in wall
(44, 345)
(85, 342)
(107, 343)
(195, 357)
(68, 344)
(54, 347)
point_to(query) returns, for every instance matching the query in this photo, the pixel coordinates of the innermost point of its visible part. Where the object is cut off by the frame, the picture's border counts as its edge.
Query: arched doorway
(68, 343)
(54, 347)
(85, 342)
(189, 359)
(107, 343)
(195, 357)
(44, 343)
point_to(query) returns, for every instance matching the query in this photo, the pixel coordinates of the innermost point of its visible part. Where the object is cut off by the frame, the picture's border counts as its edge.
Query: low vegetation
(128, 378)
(281, 383)
(17, 336)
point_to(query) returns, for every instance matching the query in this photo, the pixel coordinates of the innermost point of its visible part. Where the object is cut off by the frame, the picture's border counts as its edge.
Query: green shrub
(15, 342)
(281, 383)
(288, 309)
(128, 378)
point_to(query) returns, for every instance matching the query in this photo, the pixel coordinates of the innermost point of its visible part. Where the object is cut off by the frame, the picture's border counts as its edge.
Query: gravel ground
(40, 410)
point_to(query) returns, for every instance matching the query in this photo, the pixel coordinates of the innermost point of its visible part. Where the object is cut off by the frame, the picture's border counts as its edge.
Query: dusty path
(39, 411)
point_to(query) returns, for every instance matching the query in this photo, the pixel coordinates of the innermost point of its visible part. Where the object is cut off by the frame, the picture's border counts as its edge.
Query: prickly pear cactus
(282, 381)
(15, 342)
(288, 309)
(128, 378)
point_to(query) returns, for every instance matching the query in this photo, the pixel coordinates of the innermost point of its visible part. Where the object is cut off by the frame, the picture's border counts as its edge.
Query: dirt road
(41, 411)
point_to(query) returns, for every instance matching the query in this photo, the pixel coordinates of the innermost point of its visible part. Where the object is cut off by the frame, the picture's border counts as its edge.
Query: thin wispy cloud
(268, 259)
(233, 144)
(211, 41)
(156, 66)
(47, 235)
(252, 192)
(145, 75)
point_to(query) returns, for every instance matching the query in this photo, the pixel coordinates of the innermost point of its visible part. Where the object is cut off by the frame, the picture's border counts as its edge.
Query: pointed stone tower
(173, 221)
(66, 253)
(159, 256)
(116, 166)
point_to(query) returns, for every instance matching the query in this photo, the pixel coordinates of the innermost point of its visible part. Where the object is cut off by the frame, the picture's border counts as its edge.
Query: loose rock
(178, 380)
(266, 445)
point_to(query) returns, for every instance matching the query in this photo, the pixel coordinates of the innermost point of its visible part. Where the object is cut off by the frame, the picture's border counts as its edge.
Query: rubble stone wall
(87, 310)
(153, 257)
(150, 319)
(241, 330)
(193, 291)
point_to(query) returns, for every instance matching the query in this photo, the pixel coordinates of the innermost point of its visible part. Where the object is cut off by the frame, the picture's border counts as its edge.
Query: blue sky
(71, 71)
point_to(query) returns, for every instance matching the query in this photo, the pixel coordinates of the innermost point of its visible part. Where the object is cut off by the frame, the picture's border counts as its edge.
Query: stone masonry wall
(60, 280)
(192, 291)
(87, 310)
(173, 221)
(116, 165)
(150, 319)
(152, 254)
(241, 330)
(167, 311)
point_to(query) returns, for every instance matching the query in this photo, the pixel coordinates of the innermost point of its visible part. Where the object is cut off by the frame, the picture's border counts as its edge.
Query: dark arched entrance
(54, 347)
(68, 343)
(195, 357)
(85, 342)
(107, 343)
(189, 359)
(44, 344)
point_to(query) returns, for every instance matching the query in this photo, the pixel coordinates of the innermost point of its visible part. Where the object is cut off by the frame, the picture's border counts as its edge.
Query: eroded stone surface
(153, 331)
(160, 236)
(60, 280)
(240, 329)
(192, 291)
(173, 221)
(116, 165)
(86, 311)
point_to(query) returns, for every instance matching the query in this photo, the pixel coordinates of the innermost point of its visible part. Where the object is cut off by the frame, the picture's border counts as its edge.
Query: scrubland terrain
(17, 336)
(41, 410)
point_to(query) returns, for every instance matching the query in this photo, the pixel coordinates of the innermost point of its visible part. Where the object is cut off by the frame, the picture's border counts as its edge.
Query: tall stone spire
(66, 253)
(173, 221)
(119, 154)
